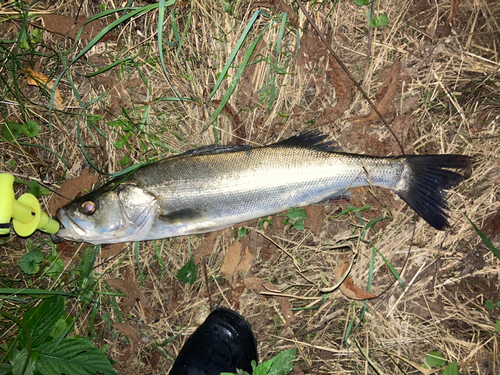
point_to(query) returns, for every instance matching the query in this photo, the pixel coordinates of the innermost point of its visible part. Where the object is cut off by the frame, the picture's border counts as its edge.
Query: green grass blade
(110, 66)
(235, 80)
(161, 19)
(234, 52)
(368, 359)
(485, 239)
(393, 270)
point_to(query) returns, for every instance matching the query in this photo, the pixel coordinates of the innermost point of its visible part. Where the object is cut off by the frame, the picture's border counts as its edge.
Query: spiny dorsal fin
(312, 138)
(213, 149)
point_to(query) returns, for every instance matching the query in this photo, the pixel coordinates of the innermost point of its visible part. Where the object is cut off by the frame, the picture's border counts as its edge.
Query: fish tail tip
(424, 183)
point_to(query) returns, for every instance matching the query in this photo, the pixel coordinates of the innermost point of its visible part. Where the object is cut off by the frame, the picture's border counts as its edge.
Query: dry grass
(448, 275)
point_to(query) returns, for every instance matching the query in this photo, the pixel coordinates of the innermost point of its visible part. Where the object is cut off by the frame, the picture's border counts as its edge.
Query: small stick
(206, 282)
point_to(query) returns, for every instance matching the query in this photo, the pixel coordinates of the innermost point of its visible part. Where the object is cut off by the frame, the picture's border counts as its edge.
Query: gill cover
(112, 213)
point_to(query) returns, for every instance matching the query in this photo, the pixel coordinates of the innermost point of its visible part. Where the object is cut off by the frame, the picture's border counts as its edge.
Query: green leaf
(56, 265)
(296, 213)
(489, 305)
(61, 325)
(122, 141)
(434, 359)
(37, 190)
(263, 368)
(497, 326)
(188, 273)
(41, 319)
(125, 160)
(296, 217)
(75, 356)
(374, 22)
(29, 262)
(383, 20)
(452, 369)
(283, 362)
(24, 45)
(30, 129)
(36, 35)
(11, 130)
(19, 361)
(242, 232)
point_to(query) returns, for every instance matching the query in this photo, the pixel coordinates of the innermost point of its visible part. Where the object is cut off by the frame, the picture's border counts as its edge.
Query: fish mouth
(68, 229)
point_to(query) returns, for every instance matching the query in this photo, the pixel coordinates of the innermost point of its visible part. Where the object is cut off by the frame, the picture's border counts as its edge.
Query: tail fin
(424, 182)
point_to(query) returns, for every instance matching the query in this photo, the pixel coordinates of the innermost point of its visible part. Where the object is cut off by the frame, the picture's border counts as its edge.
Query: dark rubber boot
(223, 343)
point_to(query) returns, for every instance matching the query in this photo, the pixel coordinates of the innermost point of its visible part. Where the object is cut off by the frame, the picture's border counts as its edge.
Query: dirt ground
(432, 72)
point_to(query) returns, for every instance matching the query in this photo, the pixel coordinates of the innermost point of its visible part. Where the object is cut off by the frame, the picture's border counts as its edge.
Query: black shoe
(223, 343)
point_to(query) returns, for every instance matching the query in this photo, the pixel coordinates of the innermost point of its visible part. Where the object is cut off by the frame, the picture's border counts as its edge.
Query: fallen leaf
(347, 287)
(66, 251)
(256, 242)
(258, 285)
(69, 26)
(404, 128)
(119, 96)
(140, 294)
(315, 218)
(133, 293)
(154, 360)
(384, 96)
(126, 288)
(70, 189)
(109, 251)
(131, 333)
(237, 260)
(38, 79)
(206, 247)
(286, 306)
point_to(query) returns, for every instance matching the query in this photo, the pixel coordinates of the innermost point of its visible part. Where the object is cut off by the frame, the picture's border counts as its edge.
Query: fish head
(110, 214)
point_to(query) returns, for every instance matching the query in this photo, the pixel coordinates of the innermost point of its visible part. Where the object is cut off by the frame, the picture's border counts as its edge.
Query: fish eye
(88, 207)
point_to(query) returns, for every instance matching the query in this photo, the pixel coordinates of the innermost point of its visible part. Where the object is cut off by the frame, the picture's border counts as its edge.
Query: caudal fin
(425, 181)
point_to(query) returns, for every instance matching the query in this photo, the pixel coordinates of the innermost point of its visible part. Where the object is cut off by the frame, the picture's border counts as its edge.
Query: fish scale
(213, 188)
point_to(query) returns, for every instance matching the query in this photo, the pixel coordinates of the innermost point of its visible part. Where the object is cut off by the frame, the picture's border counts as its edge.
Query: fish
(215, 187)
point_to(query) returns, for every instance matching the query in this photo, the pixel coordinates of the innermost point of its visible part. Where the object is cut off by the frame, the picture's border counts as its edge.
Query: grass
(181, 76)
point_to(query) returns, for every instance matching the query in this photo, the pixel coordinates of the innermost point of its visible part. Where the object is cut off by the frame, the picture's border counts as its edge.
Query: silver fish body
(209, 189)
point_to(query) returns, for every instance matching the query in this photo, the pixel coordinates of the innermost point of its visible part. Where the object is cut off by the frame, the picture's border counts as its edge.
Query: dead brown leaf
(70, 189)
(126, 288)
(119, 96)
(66, 251)
(315, 217)
(258, 285)
(237, 260)
(347, 287)
(384, 96)
(404, 128)
(133, 293)
(39, 79)
(286, 306)
(64, 25)
(206, 247)
(109, 251)
(131, 333)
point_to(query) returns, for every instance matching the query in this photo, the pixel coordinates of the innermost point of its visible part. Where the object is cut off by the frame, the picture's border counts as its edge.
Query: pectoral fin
(186, 215)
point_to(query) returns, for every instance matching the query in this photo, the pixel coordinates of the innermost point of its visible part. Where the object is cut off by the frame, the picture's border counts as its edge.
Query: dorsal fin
(312, 138)
(213, 149)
